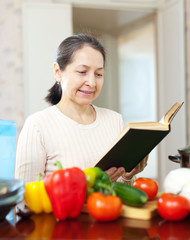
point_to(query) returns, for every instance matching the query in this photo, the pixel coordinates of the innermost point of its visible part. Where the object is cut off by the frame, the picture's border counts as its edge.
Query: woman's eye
(82, 72)
(99, 75)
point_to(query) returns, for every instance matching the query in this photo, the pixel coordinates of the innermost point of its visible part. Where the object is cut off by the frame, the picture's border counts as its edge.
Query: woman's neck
(82, 114)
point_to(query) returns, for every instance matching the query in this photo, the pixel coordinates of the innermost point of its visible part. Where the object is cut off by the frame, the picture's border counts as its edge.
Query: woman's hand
(139, 168)
(114, 173)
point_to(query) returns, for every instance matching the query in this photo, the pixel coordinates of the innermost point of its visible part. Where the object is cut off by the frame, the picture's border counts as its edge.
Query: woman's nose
(91, 81)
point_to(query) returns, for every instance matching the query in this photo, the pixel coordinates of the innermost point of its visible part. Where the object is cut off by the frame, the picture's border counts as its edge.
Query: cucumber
(130, 195)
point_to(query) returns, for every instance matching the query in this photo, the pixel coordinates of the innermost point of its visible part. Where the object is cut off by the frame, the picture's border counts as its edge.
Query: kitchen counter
(45, 226)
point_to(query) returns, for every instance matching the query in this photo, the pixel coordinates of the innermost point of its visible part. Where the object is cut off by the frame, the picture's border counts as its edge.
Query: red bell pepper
(67, 190)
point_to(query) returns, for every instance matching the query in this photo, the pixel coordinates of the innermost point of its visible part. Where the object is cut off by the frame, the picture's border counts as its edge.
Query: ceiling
(105, 19)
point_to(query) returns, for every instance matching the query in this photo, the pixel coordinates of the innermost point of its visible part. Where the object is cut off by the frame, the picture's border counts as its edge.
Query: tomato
(172, 207)
(104, 208)
(148, 185)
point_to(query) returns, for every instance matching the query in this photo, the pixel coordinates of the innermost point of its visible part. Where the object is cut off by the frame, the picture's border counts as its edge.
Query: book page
(163, 124)
(148, 125)
(168, 117)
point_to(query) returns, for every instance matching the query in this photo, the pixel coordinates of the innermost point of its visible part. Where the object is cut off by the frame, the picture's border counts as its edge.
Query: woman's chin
(85, 101)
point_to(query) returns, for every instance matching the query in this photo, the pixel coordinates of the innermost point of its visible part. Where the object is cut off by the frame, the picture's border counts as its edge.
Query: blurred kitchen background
(147, 69)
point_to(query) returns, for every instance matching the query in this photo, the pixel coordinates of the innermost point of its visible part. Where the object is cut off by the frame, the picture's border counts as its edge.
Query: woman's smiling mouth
(86, 92)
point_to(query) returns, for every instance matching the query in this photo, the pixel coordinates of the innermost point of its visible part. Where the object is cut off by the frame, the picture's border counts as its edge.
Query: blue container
(7, 148)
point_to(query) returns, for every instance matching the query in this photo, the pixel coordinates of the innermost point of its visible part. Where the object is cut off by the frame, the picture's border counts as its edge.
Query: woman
(72, 130)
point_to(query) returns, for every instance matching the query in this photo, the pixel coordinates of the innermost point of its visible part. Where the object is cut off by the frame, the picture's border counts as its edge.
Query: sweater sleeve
(30, 153)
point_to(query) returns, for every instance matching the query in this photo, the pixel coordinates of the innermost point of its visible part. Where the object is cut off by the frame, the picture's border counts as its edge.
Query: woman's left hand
(114, 173)
(139, 168)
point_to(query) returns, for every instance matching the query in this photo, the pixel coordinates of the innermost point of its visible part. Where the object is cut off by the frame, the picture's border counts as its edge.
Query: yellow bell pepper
(36, 198)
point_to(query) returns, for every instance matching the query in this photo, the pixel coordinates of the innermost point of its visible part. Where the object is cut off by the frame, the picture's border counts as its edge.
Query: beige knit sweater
(49, 135)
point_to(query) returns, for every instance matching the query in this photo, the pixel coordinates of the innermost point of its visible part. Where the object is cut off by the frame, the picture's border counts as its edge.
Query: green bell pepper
(97, 181)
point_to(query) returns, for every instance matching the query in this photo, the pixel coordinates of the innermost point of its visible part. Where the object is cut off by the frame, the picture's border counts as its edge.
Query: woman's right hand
(114, 173)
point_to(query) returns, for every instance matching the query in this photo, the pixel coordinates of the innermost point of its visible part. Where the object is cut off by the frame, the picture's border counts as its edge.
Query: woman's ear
(57, 72)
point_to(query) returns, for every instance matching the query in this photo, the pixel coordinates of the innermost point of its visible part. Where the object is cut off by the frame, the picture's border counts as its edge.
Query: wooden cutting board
(146, 212)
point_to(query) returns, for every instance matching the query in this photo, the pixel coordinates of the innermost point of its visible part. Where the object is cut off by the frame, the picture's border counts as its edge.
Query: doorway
(130, 74)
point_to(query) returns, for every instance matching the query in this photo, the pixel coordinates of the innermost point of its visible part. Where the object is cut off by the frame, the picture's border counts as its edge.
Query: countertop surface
(45, 226)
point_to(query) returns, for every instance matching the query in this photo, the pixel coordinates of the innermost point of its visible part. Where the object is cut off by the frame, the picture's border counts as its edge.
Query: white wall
(45, 26)
(171, 79)
(137, 98)
(109, 95)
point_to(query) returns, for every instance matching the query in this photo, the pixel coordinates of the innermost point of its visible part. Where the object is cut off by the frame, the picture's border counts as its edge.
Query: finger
(129, 175)
(114, 177)
(111, 170)
(143, 163)
(117, 174)
(121, 170)
(134, 171)
(139, 168)
(146, 159)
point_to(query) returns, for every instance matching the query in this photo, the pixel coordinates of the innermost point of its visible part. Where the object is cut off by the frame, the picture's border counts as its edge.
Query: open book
(136, 141)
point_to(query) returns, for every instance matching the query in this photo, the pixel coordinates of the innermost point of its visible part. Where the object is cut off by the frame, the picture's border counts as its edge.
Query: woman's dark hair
(64, 56)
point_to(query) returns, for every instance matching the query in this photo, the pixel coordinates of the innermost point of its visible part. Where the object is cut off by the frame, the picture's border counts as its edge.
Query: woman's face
(82, 79)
